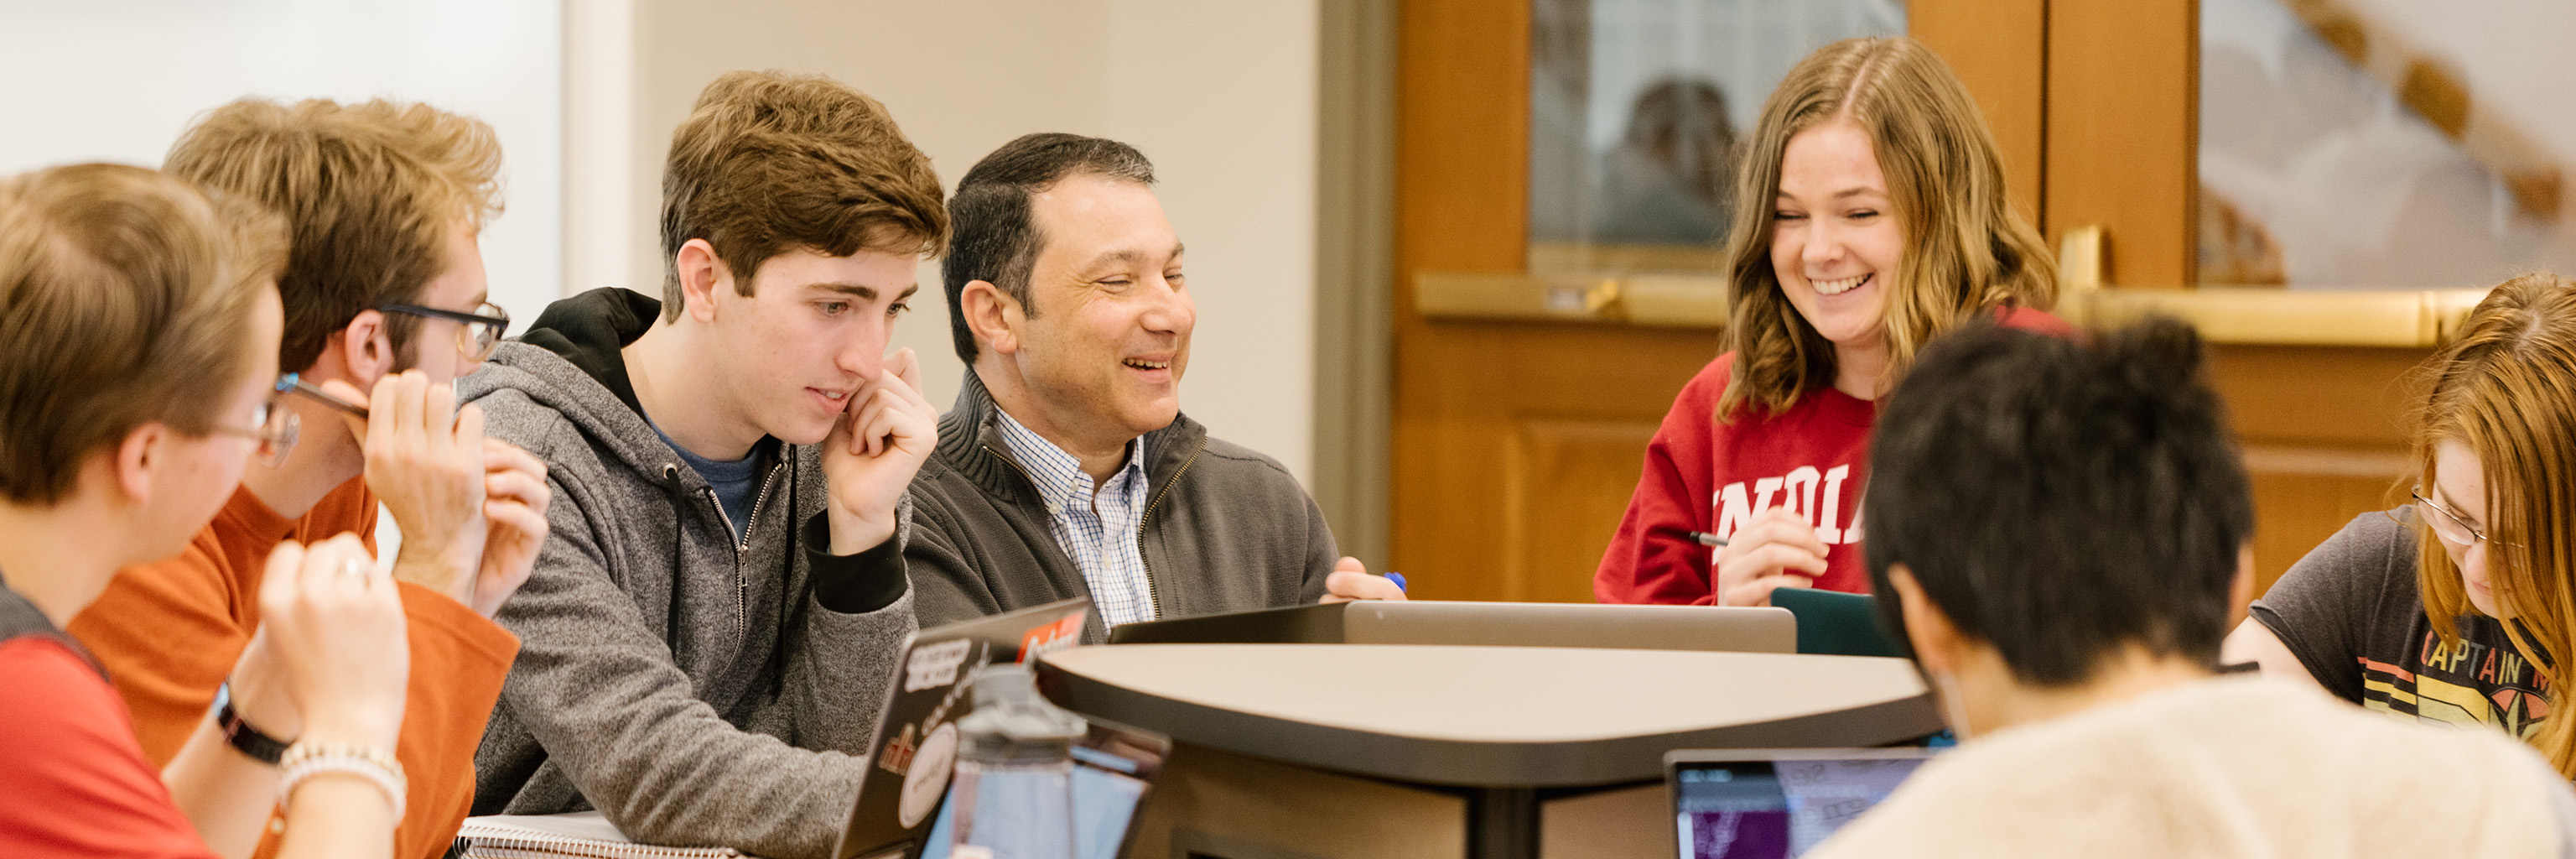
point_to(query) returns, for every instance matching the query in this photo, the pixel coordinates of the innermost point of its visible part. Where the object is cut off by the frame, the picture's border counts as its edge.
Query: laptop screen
(1778, 804)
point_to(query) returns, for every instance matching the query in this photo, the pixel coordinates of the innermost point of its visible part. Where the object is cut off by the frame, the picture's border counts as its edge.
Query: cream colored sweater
(2238, 767)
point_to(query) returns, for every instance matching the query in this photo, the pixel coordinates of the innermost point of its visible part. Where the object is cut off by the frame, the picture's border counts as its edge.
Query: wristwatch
(240, 735)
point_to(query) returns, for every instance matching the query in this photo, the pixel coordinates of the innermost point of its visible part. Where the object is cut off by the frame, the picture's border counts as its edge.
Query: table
(1500, 725)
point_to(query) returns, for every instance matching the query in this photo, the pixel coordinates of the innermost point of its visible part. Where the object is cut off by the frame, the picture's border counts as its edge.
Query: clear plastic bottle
(1014, 788)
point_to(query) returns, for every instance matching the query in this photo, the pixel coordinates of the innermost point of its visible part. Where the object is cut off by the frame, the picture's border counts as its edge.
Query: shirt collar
(1060, 480)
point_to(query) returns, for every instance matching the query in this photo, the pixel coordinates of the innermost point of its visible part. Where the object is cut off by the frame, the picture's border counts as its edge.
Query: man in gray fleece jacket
(1066, 468)
(708, 634)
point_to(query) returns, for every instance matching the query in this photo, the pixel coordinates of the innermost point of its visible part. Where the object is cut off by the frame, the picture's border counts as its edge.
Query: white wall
(584, 94)
(116, 80)
(1221, 97)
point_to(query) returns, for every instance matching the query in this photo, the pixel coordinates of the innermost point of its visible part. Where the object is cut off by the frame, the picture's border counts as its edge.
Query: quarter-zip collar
(971, 442)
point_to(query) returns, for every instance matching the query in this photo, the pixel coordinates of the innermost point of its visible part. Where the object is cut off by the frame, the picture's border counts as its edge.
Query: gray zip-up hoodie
(1225, 528)
(737, 715)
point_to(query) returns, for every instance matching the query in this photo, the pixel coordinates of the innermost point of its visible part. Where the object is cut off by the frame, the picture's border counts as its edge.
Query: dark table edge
(1472, 763)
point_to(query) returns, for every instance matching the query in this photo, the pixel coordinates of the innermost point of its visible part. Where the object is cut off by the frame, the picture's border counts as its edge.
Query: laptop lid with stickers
(915, 750)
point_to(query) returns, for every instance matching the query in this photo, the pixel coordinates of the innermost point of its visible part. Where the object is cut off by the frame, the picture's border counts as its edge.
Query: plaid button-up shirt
(1097, 528)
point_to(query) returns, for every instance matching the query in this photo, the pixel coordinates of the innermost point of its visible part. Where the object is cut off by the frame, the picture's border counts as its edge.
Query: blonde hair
(123, 293)
(1966, 249)
(370, 193)
(2506, 390)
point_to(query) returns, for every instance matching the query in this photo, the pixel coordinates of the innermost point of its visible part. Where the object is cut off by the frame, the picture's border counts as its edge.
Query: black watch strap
(240, 735)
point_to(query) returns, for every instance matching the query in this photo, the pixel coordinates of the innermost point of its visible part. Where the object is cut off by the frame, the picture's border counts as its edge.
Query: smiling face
(2460, 486)
(1108, 337)
(1835, 240)
(813, 330)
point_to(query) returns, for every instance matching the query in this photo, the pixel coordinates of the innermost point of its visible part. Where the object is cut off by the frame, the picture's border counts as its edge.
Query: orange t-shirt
(168, 633)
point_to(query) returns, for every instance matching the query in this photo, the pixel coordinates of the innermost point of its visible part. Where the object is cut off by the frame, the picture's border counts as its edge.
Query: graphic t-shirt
(2352, 612)
(1710, 476)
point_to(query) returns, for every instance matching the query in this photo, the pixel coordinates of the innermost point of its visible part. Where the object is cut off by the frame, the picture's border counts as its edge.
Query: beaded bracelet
(306, 760)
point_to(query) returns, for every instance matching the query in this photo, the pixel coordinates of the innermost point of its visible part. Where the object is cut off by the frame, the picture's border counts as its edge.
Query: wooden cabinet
(1523, 401)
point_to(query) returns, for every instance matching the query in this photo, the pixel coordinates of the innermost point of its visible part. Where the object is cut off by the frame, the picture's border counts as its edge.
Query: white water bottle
(1014, 788)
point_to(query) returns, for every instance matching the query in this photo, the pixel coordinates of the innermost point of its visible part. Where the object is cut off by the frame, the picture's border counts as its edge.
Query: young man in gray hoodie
(1066, 468)
(707, 637)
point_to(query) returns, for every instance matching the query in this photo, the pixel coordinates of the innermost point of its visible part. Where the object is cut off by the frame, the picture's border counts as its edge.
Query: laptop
(903, 796)
(1777, 803)
(1492, 624)
(1836, 623)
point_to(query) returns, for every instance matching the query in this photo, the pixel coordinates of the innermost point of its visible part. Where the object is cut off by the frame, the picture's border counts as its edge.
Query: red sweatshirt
(1702, 475)
(75, 784)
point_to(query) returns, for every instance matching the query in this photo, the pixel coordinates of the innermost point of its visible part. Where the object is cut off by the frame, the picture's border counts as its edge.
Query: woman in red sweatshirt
(1887, 225)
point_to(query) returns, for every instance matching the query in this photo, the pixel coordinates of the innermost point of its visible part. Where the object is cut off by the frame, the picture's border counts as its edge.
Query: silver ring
(354, 567)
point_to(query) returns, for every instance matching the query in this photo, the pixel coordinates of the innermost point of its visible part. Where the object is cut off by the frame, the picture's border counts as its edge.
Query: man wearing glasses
(384, 307)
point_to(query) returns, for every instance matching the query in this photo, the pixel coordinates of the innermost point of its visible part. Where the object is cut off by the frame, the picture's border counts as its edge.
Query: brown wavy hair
(770, 162)
(2506, 389)
(1966, 249)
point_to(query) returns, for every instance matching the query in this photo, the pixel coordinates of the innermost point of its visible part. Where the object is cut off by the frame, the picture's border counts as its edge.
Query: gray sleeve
(596, 687)
(945, 585)
(1321, 552)
(2327, 608)
(836, 683)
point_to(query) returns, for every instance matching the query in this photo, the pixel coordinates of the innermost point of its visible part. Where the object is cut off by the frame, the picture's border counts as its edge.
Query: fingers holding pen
(1777, 548)
(1776, 525)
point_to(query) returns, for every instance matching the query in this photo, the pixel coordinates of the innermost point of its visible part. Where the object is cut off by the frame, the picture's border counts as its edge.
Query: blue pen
(1398, 579)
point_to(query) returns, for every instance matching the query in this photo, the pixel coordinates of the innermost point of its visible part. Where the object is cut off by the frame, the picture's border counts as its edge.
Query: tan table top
(1516, 716)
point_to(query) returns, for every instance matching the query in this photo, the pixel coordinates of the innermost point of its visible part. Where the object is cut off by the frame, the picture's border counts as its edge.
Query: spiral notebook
(585, 834)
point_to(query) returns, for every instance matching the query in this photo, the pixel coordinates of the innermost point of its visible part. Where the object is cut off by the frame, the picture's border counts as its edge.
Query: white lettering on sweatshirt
(1803, 490)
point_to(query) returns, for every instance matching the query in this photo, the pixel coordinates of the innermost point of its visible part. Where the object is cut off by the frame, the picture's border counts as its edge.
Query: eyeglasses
(2446, 524)
(477, 333)
(273, 425)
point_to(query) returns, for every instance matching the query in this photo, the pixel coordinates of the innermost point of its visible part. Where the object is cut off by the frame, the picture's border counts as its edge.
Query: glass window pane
(1635, 106)
(2384, 143)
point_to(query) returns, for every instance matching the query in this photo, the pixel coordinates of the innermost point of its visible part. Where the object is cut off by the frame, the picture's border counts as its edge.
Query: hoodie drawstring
(792, 613)
(673, 492)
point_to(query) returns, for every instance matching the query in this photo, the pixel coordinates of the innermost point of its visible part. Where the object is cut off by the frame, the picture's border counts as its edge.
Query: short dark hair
(996, 238)
(2060, 501)
(769, 162)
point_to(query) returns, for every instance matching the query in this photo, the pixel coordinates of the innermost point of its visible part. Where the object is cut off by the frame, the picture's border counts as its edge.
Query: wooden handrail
(2387, 318)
